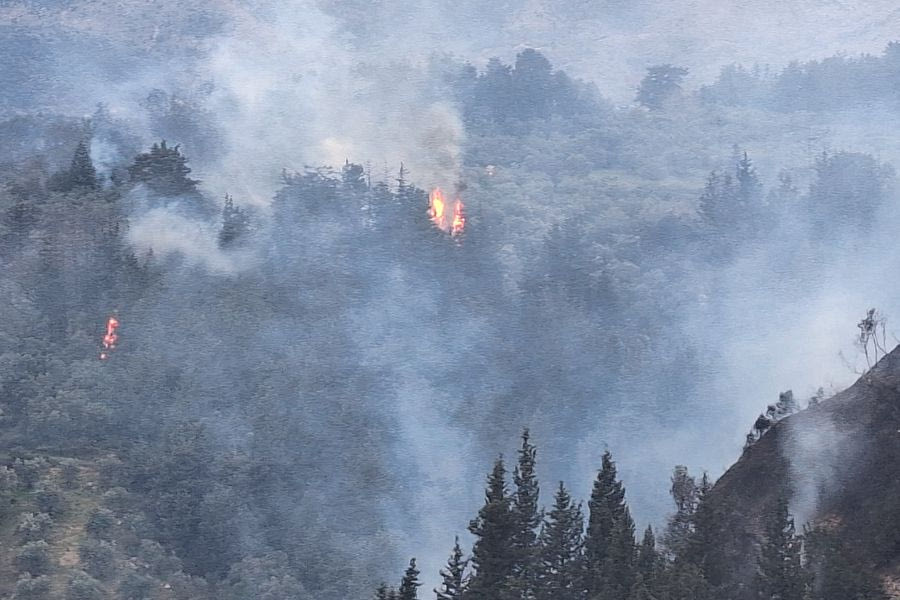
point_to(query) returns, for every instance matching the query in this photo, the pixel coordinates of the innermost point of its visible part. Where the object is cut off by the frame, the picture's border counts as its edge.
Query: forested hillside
(235, 395)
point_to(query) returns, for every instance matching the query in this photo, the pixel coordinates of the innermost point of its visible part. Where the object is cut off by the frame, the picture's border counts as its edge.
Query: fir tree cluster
(524, 552)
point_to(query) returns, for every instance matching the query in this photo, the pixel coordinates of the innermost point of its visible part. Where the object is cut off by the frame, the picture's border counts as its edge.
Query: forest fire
(437, 207)
(109, 340)
(459, 219)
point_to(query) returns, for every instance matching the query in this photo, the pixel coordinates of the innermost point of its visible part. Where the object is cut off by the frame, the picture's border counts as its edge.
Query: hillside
(838, 461)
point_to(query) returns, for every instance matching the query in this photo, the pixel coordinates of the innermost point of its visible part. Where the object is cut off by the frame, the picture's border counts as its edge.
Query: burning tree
(437, 212)
(872, 335)
(110, 338)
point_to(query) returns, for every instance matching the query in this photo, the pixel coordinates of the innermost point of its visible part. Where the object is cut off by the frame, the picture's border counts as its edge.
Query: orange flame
(110, 339)
(459, 219)
(436, 207)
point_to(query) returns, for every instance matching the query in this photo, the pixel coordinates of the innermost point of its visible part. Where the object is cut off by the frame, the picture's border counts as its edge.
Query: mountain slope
(838, 462)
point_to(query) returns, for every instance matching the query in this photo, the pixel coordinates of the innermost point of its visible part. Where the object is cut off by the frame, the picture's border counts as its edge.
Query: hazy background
(252, 88)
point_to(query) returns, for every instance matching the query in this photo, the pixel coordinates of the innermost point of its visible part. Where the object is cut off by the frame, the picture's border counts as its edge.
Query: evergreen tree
(684, 581)
(492, 558)
(526, 518)
(684, 492)
(648, 559)
(749, 187)
(382, 592)
(659, 84)
(834, 572)
(82, 172)
(609, 543)
(561, 546)
(409, 585)
(453, 576)
(641, 590)
(235, 224)
(717, 202)
(780, 575)
(164, 170)
(619, 567)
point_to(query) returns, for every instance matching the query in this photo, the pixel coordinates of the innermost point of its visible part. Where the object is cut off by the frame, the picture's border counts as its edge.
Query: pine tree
(641, 590)
(561, 546)
(619, 567)
(606, 545)
(235, 224)
(685, 494)
(833, 571)
(409, 585)
(648, 559)
(164, 170)
(780, 575)
(492, 559)
(382, 592)
(526, 518)
(453, 583)
(82, 172)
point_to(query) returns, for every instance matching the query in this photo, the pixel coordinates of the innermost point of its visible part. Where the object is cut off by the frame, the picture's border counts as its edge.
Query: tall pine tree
(609, 543)
(526, 519)
(492, 556)
(561, 546)
(780, 574)
(453, 582)
(409, 585)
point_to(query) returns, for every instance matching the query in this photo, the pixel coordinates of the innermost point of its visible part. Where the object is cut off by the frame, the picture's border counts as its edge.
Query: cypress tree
(492, 558)
(409, 585)
(453, 575)
(561, 546)
(526, 518)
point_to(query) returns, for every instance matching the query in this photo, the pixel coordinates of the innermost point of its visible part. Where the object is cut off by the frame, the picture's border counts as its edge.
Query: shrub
(82, 586)
(97, 558)
(32, 588)
(50, 500)
(34, 558)
(101, 523)
(34, 526)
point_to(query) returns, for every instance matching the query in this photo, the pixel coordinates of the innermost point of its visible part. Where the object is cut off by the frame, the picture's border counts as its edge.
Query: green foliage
(780, 574)
(135, 586)
(82, 586)
(32, 588)
(265, 578)
(235, 224)
(164, 170)
(836, 571)
(409, 585)
(561, 545)
(453, 576)
(50, 499)
(494, 529)
(609, 546)
(526, 518)
(101, 524)
(34, 526)
(97, 558)
(34, 558)
(661, 83)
